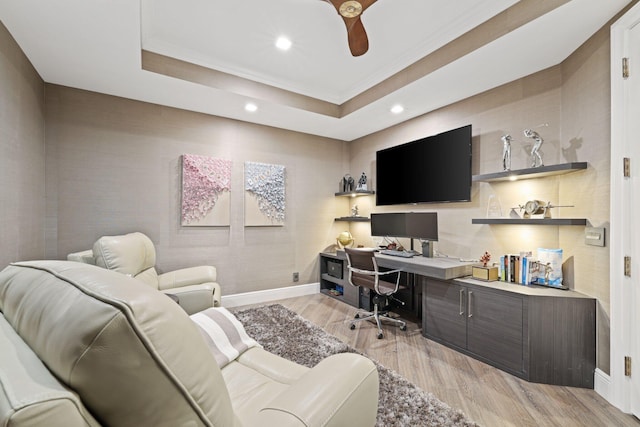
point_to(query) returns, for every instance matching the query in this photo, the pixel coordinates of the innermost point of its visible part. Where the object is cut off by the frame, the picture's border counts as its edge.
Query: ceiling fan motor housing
(350, 9)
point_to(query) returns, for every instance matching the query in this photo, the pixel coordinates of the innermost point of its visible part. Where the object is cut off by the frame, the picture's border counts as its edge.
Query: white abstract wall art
(206, 187)
(264, 186)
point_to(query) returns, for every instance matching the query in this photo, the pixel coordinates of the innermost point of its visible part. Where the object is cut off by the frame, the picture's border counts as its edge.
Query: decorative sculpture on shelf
(347, 183)
(344, 239)
(485, 258)
(362, 183)
(485, 272)
(354, 211)
(506, 152)
(536, 157)
(538, 207)
(548, 269)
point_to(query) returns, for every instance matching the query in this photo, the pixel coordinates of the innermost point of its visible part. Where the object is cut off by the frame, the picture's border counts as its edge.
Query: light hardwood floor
(487, 395)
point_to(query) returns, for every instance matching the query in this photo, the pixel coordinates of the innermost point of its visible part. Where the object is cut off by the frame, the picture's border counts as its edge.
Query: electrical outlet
(296, 276)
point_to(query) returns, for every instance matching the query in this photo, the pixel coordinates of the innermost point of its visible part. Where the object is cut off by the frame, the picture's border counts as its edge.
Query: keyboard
(402, 254)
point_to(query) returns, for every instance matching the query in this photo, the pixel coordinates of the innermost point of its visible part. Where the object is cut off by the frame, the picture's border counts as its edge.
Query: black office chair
(363, 272)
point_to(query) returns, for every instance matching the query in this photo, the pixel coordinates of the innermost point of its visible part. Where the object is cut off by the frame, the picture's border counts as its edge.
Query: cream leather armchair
(134, 254)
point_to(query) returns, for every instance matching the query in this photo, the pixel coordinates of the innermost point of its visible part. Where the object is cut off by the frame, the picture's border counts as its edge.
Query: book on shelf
(517, 268)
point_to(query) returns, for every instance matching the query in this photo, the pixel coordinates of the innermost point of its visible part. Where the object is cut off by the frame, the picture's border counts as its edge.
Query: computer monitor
(414, 225)
(388, 224)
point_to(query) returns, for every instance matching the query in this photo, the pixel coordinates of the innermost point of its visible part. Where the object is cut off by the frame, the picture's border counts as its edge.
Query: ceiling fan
(350, 10)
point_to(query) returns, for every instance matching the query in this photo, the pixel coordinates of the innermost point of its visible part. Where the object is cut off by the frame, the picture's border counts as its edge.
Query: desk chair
(363, 272)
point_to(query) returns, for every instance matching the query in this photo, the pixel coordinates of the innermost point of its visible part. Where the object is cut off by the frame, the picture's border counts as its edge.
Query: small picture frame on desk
(488, 273)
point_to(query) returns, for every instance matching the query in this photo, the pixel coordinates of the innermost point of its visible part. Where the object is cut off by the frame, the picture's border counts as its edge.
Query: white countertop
(532, 290)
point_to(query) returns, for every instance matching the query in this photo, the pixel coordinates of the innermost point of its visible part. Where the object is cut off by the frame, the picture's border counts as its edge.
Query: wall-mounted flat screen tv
(435, 169)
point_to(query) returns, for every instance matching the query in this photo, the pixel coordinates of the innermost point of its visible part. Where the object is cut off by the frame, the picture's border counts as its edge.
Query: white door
(632, 116)
(625, 211)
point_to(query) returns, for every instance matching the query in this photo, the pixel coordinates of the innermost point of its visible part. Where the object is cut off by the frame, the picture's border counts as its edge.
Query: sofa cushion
(131, 353)
(30, 395)
(224, 334)
(130, 254)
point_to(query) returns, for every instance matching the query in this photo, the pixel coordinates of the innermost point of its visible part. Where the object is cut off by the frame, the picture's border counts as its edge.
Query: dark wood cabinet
(487, 324)
(546, 339)
(443, 313)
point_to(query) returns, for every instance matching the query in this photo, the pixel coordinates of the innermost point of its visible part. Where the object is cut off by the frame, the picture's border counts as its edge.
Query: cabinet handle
(470, 313)
(461, 302)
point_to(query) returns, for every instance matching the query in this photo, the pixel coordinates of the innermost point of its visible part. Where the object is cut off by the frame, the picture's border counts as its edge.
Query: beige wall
(572, 100)
(114, 166)
(22, 155)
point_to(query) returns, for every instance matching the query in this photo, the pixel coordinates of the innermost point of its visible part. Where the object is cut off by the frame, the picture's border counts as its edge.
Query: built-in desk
(539, 334)
(438, 267)
(334, 273)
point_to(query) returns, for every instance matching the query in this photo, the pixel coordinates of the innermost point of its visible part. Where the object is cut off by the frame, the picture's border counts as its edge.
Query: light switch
(594, 236)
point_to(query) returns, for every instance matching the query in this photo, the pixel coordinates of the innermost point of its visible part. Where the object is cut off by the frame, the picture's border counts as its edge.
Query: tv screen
(434, 169)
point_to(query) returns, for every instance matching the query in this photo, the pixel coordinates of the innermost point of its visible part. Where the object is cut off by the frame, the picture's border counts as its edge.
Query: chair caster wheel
(380, 336)
(352, 327)
(403, 327)
(357, 316)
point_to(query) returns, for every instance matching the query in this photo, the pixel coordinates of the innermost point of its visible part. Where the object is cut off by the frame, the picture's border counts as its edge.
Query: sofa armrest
(85, 256)
(342, 390)
(187, 276)
(194, 298)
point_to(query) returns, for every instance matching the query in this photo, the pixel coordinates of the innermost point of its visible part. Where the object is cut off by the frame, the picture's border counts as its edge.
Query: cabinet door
(495, 327)
(444, 312)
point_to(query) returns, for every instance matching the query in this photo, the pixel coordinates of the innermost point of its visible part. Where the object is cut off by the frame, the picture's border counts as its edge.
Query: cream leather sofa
(134, 254)
(85, 346)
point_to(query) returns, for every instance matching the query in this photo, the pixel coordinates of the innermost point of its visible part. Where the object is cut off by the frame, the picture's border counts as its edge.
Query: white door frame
(624, 332)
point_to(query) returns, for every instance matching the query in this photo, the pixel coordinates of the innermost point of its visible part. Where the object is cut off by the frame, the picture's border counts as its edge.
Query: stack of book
(519, 268)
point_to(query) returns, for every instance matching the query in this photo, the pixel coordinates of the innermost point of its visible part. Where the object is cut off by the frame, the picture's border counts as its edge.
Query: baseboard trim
(258, 297)
(602, 384)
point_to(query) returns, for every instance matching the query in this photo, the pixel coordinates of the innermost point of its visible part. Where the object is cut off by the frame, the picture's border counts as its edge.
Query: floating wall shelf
(529, 173)
(356, 193)
(531, 221)
(353, 219)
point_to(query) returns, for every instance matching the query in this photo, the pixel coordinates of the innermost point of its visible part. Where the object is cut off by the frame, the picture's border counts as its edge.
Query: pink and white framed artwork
(206, 188)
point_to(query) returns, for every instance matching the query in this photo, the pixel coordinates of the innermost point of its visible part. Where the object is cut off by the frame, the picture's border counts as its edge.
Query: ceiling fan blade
(357, 36)
(351, 11)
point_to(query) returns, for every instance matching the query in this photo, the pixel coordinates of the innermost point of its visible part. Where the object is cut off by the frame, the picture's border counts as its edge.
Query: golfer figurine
(506, 152)
(536, 157)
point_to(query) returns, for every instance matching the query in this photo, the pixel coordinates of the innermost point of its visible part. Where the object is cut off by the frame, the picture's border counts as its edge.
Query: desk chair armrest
(341, 390)
(373, 273)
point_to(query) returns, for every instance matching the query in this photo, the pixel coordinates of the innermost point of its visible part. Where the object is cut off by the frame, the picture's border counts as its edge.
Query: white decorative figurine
(362, 183)
(506, 152)
(536, 157)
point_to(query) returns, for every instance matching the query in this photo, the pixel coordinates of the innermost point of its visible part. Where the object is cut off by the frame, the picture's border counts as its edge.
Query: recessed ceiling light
(251, 107)
(283, 43)
(397, 109)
